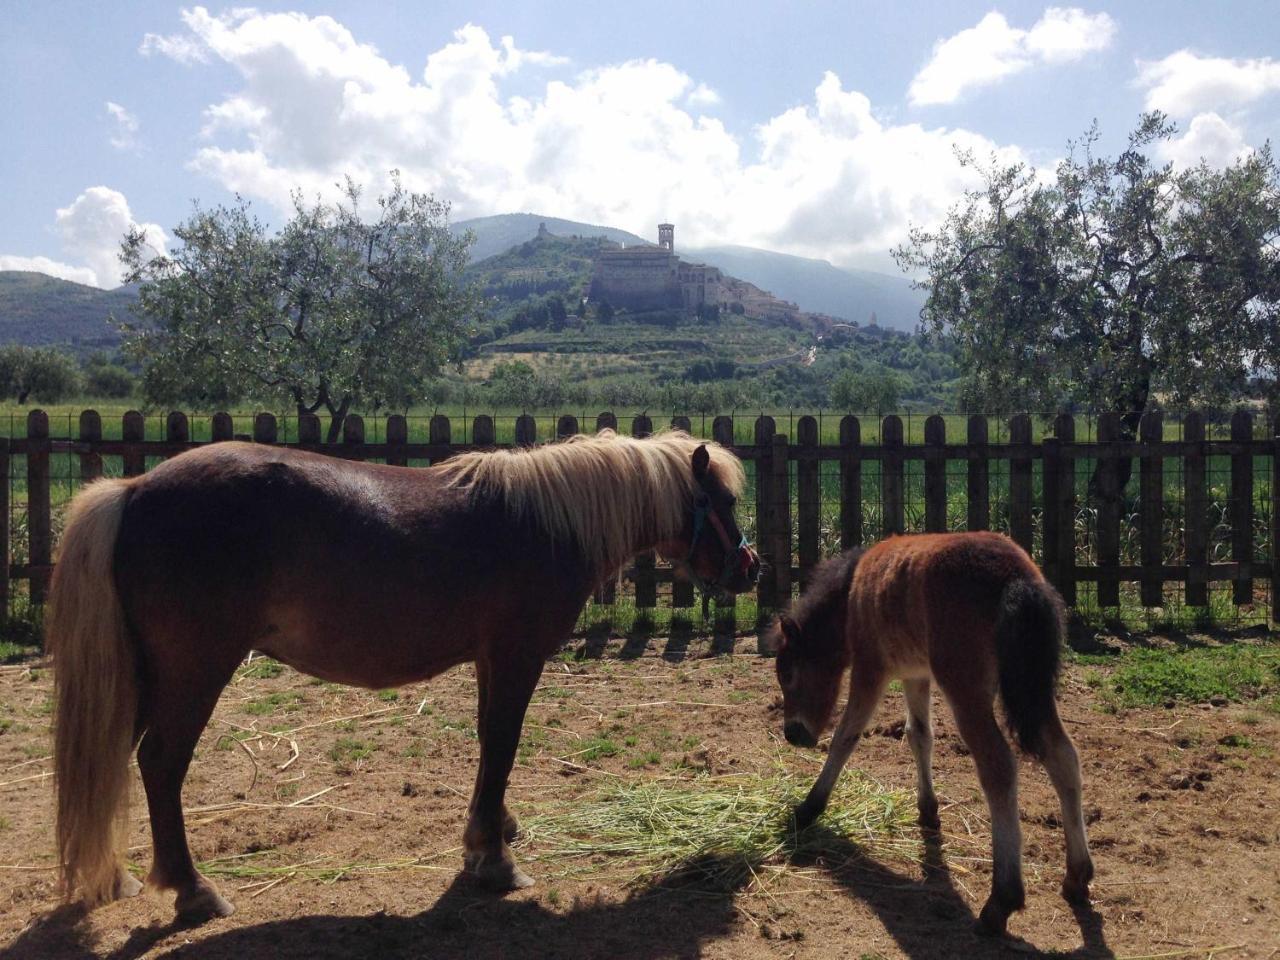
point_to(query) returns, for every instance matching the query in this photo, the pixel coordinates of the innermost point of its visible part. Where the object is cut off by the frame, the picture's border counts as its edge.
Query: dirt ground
(338, 834)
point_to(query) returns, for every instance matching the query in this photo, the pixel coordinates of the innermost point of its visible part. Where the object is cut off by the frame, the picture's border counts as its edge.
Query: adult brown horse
(357, 573)
(971, 611)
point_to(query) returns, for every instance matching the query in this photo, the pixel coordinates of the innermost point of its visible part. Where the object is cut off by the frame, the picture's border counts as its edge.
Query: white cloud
(1208, 138)
(125, 136)
(702, 96)
(987, 53)
(183, 49)
(54, 268)
(626, 144)
(1184, 83)
(91, 228)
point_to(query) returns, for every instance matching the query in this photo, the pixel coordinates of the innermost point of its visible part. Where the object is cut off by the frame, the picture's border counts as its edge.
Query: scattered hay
(724, 831)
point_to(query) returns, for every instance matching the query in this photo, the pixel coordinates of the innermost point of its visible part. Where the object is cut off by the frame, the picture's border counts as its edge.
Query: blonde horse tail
(97, 696)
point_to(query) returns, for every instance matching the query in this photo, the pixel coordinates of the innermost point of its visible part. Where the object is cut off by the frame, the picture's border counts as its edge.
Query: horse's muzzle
(798, 735)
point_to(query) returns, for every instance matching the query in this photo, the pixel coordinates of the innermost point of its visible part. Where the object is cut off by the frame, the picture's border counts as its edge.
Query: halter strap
(702, 512)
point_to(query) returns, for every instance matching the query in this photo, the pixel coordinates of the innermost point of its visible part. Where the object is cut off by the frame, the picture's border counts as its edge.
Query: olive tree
(334, 309)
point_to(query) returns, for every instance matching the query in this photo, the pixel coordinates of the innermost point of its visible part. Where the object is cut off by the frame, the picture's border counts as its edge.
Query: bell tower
(667, 237)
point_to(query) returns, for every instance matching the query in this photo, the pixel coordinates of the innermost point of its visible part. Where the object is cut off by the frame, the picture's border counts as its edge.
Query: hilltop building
(647, 277)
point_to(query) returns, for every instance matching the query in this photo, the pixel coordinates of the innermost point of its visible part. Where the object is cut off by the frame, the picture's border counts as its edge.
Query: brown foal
(973, 613)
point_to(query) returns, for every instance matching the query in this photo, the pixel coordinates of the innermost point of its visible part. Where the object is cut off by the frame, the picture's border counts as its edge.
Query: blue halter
(701, 509)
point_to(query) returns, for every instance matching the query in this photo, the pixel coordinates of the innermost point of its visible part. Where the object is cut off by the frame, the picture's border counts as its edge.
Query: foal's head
(812, 652)
(711, 546)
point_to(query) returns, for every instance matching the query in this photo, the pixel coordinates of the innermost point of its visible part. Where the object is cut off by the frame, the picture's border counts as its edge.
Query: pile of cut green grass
(719, 830)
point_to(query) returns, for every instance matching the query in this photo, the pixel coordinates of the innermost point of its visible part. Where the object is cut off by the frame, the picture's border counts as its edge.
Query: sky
(820, 129)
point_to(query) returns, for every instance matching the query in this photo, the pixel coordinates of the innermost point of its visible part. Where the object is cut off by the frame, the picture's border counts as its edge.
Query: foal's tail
(97, 695)
(1028, 653)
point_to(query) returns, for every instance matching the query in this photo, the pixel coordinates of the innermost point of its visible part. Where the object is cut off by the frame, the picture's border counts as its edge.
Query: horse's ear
(701, 462)
(788, 631)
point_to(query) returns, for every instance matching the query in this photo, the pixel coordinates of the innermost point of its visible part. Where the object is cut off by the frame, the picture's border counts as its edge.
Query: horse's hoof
(497, 874)
(127, 885)
(510, 828)
(1075, 891)
(203, 903)
(929, 818)
(993, 921)
(805, 814)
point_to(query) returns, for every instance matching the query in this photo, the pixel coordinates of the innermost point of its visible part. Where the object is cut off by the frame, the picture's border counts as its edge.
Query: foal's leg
(177, 716)
(1061, 761)
(920, 737)
(866, 687)
(510, 825)
(508, 690)
(998, 774)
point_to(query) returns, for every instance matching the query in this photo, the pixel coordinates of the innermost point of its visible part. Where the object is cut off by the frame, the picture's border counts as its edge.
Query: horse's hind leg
(510, 825)
(180, 702)
(505, 699)
(998, 775)
(866, 687)
(1063, 764)
(920, 738)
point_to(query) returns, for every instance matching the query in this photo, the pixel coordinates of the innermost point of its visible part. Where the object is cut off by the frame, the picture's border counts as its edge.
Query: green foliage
(102, 378)
(872, 391)
(333, 311)
(43, 374)
(37, 310)
(1152, 677)
(1117, 279)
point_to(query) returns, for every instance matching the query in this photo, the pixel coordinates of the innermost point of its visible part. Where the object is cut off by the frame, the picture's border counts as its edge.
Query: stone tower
(667, 237)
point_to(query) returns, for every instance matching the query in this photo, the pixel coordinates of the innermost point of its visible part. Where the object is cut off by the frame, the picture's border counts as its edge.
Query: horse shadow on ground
(675, 919)
(678, 917)
(926, 917)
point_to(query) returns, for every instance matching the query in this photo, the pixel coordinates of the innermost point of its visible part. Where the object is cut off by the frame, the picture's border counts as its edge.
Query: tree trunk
(1130, 405)
(337, 416)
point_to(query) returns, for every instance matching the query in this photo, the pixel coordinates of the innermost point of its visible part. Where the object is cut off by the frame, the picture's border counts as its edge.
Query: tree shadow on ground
(675, 919)
(926, 917)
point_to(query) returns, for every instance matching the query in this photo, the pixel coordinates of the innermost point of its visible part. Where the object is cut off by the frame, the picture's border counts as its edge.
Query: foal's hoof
(1075, 888)
(929, 818)
(203, 903)
(497, 874)
(993, 921)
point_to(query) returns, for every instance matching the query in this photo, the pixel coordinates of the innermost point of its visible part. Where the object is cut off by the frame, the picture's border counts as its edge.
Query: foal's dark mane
(819, 613)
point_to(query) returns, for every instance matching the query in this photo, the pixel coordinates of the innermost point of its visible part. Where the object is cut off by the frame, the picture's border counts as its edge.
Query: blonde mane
(606, 494)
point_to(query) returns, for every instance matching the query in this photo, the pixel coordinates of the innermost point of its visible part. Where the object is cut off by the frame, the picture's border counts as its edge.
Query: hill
(37, 310)
(813, 285)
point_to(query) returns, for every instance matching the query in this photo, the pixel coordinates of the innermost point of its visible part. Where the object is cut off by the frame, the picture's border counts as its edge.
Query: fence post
(397, 438)
(1151, 431)
(90, 433)
(39, 534)
(482, 432)
(1065, 429)
(264, 428)
(223, 427)
(726, 615)
(5, 545)
(440, 434)
(935, 475)
(978, 482)
(1109, 496)
(850, 482)
(606, 421)
(1275, 518)
(808, 496)
(782, 518)
(176, 428)
(646, 583)
(526, 431)
(1195, 504)
(767, 592)
(681, 423)
(566, 426)
(353, 435)
(1020, 473)
(891, 503)
(1241, 508)
(134, 430)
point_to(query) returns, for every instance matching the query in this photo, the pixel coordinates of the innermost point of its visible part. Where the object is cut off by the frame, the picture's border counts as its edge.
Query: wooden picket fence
(788, 499)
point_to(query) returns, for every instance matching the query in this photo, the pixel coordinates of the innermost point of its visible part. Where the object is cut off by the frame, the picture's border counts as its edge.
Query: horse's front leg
(504, 692)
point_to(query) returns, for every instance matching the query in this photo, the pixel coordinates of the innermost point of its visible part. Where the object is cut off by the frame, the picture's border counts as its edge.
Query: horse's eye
(733, 502)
